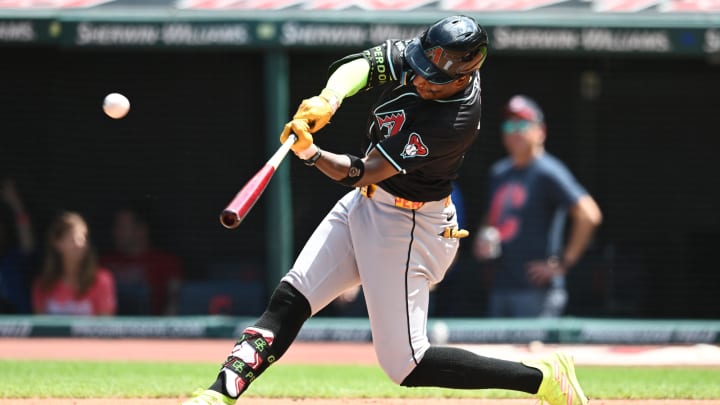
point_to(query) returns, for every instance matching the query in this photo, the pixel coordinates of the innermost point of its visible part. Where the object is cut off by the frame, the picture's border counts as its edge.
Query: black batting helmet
(449, 49)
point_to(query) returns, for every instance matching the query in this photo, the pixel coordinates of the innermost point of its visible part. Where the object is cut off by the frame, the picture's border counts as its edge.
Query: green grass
(62, 379)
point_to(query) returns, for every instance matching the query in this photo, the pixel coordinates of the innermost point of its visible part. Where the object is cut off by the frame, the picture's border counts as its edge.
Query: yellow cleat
(208, 397)
(559, 385)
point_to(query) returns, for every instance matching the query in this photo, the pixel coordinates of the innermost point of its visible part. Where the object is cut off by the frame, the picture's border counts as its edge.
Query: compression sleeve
(348, 78)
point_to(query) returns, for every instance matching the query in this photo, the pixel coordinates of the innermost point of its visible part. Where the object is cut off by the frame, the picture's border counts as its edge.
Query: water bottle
(489, 243)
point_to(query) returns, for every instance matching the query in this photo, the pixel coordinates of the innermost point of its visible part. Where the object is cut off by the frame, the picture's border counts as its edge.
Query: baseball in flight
(116, 105)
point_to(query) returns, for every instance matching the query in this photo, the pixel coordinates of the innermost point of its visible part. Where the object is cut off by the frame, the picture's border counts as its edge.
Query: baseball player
(395, 233)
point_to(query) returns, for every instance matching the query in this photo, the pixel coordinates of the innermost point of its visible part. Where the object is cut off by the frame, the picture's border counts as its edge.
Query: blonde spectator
(71, 282)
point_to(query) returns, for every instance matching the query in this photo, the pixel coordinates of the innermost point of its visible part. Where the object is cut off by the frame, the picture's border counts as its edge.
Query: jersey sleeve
(386, 63)
(565, 187)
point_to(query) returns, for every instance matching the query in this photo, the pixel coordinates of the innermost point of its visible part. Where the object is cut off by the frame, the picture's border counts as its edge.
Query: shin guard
(250, 356)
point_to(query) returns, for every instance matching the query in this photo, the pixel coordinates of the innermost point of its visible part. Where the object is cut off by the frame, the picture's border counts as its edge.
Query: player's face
(432, 91)
(521, 136)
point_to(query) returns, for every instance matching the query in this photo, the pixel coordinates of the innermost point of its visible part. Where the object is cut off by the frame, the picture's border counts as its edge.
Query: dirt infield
(207, 350)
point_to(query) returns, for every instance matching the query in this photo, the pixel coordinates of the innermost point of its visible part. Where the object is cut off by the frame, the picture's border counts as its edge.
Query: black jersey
(425, 140)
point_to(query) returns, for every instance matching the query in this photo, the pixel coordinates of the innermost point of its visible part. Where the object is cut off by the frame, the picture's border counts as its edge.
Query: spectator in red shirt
(71, 282)
(136, 263)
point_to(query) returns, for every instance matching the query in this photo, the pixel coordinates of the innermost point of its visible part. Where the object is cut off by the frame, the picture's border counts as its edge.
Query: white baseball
(116, 105)
(439, 333)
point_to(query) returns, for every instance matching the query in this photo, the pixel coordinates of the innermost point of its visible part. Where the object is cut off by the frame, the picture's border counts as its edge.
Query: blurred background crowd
(129, 208)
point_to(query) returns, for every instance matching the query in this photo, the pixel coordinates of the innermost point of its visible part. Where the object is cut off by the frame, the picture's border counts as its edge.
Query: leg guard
(286, 313)
(265, 342)
(251, 355)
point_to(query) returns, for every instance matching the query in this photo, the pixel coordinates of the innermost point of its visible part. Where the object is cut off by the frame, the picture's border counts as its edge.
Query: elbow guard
(355, 172)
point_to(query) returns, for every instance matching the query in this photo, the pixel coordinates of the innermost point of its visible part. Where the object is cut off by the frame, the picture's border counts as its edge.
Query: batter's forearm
(348, 79)
(353, 171)
(333, 165)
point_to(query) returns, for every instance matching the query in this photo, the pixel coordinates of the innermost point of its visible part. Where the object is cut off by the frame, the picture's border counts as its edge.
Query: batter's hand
(317, 111)
(300, 129)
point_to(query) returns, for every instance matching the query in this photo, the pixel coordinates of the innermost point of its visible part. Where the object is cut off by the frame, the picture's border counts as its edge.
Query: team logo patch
(434, 54)
(390, 123)
(414, 147)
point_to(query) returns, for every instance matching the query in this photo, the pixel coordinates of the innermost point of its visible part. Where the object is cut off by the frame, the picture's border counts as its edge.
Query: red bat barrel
(238, 208)
(250, 193)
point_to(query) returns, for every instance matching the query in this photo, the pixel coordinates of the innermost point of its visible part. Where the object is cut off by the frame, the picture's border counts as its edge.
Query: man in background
(144, 274)
(521, 240)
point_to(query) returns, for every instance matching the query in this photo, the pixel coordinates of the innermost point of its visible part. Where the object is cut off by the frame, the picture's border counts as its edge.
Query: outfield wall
(564, 331)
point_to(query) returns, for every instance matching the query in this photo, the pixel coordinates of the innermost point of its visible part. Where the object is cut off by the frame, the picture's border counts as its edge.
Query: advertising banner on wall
(637, 27)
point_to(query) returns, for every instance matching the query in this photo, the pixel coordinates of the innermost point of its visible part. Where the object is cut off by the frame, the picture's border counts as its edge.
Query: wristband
(313, 159)
(308, 152)
(332, 98)
(355, 171)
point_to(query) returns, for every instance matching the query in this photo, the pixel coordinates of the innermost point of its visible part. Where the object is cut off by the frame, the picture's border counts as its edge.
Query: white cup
(488, 243)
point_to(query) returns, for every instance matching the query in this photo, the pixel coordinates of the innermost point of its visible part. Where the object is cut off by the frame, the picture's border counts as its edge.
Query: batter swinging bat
(238, 208)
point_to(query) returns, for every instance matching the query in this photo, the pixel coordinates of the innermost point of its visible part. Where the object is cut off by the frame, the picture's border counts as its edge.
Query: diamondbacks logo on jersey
(414, 147)
(390, 123)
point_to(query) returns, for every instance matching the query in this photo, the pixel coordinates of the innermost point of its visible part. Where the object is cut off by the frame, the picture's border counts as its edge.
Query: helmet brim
(421, 65)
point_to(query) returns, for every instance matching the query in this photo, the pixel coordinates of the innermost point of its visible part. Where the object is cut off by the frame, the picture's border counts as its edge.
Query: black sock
(450, 367)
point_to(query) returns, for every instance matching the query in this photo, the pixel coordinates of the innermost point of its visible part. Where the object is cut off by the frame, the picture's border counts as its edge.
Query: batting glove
(318, 110)
(300, 128)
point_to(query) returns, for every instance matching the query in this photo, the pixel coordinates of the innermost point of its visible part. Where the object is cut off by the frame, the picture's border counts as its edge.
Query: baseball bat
(250, 193)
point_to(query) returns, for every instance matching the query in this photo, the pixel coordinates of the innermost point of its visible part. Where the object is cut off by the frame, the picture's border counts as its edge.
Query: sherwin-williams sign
(643, 27)
(296, 34)
(599, 6)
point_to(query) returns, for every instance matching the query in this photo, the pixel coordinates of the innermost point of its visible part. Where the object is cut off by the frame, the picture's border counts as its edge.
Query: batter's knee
(398, 364)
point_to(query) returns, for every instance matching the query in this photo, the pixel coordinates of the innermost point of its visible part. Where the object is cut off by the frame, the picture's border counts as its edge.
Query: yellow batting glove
(455, 233)
(318, 110)
(301, 130)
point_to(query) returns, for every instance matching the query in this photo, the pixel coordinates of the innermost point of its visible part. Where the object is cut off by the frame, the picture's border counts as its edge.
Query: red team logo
(506, 200)
(390, 123)
(434, 54)
(414, 147)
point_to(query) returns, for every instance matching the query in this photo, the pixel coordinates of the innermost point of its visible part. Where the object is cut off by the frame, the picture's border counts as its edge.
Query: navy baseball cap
(523, 107)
